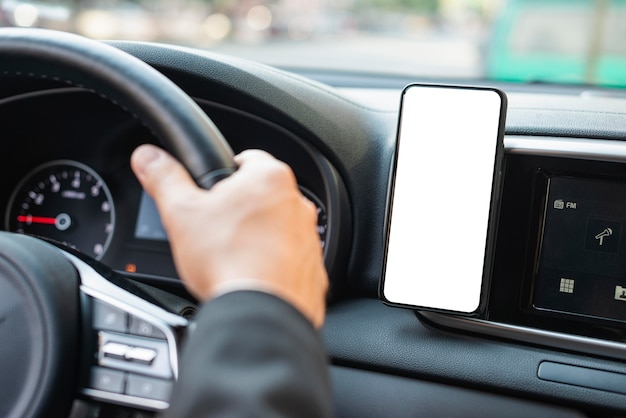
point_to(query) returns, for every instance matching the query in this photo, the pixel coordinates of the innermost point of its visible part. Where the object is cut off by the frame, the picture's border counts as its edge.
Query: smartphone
(443, 198)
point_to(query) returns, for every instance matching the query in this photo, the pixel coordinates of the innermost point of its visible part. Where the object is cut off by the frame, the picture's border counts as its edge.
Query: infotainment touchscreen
(582, 258)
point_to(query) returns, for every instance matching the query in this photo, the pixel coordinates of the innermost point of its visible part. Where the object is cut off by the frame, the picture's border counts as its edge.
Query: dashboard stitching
(71, 83)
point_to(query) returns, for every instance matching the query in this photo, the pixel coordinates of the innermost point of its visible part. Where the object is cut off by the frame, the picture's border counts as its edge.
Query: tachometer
(66, 201)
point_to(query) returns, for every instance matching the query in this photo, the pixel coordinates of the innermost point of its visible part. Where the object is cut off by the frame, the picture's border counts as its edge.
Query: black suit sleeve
(251, 355)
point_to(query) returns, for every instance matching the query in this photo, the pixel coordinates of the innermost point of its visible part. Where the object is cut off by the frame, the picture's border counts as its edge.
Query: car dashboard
(551, 341)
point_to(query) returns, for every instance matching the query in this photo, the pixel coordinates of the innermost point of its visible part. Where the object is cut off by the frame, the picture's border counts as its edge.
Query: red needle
(36, 219)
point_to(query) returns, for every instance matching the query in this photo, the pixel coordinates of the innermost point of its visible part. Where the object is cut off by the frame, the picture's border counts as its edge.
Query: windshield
(562, 41)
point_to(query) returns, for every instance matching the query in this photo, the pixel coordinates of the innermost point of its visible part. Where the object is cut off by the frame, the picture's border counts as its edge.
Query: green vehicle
(567, 41)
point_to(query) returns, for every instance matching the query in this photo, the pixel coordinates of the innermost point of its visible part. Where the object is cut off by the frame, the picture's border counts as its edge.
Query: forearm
(252, 354)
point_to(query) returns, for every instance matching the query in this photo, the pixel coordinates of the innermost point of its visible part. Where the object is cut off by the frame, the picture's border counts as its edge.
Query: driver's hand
(253, 230)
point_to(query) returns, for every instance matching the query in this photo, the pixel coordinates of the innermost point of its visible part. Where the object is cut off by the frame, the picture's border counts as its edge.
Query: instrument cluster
(74, 184)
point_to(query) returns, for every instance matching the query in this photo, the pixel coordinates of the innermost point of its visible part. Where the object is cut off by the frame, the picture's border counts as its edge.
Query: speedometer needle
(36, 219)
(62, 221)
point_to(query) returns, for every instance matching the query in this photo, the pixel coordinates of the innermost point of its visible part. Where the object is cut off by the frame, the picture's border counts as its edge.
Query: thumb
(161, 175)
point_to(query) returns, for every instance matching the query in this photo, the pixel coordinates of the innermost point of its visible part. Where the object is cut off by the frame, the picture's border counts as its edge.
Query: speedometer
(66, 201)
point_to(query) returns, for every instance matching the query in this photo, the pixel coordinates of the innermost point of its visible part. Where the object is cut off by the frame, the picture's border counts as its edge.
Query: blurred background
(563, 41)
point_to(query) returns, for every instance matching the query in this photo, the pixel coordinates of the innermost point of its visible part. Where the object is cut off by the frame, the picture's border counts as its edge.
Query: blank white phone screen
(441, 202)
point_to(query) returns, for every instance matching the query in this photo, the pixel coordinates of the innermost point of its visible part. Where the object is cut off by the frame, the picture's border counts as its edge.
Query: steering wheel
(65, 330)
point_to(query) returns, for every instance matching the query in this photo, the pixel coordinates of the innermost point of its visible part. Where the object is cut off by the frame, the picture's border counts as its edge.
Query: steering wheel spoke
(135, 344)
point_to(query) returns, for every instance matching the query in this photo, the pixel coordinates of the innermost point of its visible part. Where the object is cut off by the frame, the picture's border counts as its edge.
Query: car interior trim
(580, 148)
(551, 339)
(122, 399)
(583, 377)
(99, 288)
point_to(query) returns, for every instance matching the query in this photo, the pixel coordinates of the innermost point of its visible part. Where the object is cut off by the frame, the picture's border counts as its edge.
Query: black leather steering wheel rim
(181, 126)
(39, 328)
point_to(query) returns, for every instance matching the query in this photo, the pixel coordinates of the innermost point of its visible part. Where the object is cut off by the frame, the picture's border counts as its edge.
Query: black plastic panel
(519, 240)
(368, 335)
(380, 395)
(583, 377)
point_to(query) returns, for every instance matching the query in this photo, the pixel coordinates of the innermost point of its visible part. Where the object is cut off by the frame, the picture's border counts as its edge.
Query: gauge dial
(66, 201)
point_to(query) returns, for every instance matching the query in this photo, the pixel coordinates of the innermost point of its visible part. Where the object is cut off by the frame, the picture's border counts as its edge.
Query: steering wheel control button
(106, 317)
(115, 350)
(148, 387)
(141, 355)
(128, 353)
(144, 328)
(107, 380)
(135, 354)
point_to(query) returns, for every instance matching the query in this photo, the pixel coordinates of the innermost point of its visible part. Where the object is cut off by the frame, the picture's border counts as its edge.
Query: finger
(253, 155)
(264, 168)
(161, 175)
(257, 161)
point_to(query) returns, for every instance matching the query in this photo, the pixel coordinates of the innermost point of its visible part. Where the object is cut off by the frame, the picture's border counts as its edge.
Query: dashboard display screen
(149, 224)
(582, 261)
